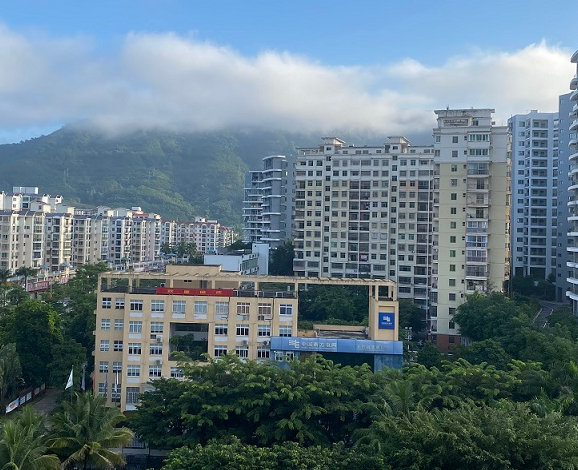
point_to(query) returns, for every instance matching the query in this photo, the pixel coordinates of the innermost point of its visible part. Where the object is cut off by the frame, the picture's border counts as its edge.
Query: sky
(295, 65)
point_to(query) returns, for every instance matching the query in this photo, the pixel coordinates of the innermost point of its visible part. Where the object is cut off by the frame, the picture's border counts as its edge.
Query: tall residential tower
(471, 219)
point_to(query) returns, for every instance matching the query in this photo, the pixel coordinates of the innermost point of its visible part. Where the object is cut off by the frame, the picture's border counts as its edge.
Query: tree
(488, 350)
(84, 432)
(5, 274)
(321, 303)
(10, 371)
(23, 443)
(239, 245)
(411, 316)
(26, 273)
(35, 331)
(491, 315)
(65, 355)
(281, 260)
(505, 436)
(232, 454)
(429, 355)
(313, 402)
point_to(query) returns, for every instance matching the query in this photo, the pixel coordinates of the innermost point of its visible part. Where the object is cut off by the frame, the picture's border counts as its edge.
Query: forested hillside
(176, 175)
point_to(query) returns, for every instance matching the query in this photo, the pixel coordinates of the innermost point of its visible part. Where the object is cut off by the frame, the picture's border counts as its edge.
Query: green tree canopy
(23, 443)
(85, 431)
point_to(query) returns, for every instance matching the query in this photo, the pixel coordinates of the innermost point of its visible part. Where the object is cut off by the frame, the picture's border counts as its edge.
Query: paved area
(46, 403)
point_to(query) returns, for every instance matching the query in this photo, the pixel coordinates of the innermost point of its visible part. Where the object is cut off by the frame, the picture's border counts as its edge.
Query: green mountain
(176, 175)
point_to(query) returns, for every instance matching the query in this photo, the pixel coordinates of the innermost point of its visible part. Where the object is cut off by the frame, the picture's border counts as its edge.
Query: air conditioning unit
(159, 338)
(244, 342)
(266, 343)
(159, 362)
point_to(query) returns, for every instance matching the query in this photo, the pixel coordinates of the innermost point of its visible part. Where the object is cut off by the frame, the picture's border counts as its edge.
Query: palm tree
(5, 274)
(26, 272)
(23, 443)
(84, 432)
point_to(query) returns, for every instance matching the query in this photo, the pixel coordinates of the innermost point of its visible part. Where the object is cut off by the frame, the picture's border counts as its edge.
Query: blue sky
(296, 65)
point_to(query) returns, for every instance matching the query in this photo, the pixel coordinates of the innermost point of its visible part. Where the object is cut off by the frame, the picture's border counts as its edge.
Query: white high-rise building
(365, 212)
(572, 262)
(534, 150)
(471, 228)
(267, 204)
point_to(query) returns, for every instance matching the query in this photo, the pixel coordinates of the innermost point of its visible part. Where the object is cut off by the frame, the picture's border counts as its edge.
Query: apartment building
(565, 114)
(90, 238)
(207, 235)
(267, 208)
(572, 248)
(40, 231)
(139, 325)
(471, 217)
(534, 150)
(365, 212)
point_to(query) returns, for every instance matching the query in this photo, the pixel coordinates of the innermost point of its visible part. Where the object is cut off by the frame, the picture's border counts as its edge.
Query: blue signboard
(386, 321)
(355, 346)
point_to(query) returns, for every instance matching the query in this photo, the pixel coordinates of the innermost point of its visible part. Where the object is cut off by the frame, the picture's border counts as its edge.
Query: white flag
(69, 382)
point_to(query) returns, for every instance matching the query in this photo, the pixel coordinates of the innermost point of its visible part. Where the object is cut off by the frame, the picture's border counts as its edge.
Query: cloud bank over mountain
(179, 83)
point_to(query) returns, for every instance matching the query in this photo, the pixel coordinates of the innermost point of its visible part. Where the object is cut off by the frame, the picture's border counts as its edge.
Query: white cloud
(180, 83)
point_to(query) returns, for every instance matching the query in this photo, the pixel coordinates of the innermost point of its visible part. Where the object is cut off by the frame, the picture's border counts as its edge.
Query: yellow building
(142, 319)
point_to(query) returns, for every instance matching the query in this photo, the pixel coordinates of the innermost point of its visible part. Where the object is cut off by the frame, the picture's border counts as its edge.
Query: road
(546, 309)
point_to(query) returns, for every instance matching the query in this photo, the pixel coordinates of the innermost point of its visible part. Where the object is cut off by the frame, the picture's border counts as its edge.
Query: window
(265, 310)
(222, 308)
(119, 303)
(454, 139)
(454, 154)
(117, 345)
(118, 324)
(134, 348)
(221, 329)
(454, 168)
(285, 331)
(454, 196)
(263, 352)
(157, 327)
(454, 182)
(453, 224)
(156, 349)
(105, 324)
(451, 325)
(452, 310)
(104, 345)
(263, 330)
(452, 296)
(179, 306)
(102, 388)
(452, 239)
(117, 367)
(135, 327)
(132, 394)
(106, 302)
(453, 210)
(452, 282)
(133, 370)
(286, 309)
(200, 307)
(243, 308)
(452, 267)
(103, 367)
(157, 305)
(242, 351)
(136, 305)
(220, 351)
(452, 253)
(155, 371)
(177, 373)
(242, 330)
